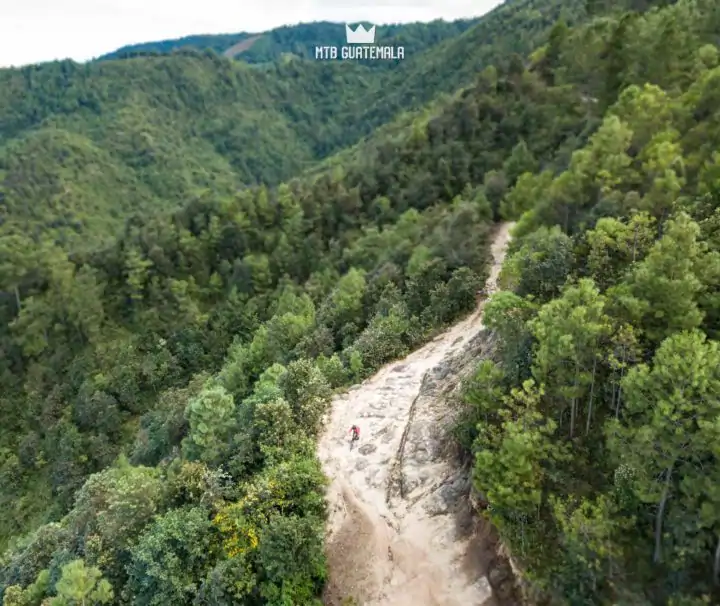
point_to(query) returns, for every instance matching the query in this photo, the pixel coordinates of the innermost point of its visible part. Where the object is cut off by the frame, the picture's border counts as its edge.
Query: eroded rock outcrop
(403, 530)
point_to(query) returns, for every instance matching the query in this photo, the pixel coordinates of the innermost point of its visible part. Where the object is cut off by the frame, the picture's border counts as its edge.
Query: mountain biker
(355, 432)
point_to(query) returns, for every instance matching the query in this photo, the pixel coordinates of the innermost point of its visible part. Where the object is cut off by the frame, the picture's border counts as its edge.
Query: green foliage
(171, 555)
(210, 417)
(196, 357)
(32, 595)
(665, 433)
(523, 196)
(666, 283)
(110, 509)
(520, 161)
(308, 392)
(85, 146)
(512, 462)
(483, 398)
(80, 585)
(594, 432)
(165, 297)
(541, 265)
(291, 560)
(333, 370)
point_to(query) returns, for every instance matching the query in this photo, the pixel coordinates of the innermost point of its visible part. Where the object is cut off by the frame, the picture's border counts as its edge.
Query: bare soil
(401, 529)
(241, 46)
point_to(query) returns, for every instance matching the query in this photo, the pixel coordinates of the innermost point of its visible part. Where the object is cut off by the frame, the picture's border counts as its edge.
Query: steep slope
(391, 539)
(407, 215)
(119, 454)
(595, 437)
(170, 128)
(176, 127)
(162, 394)
(241, 46)
(516, 26)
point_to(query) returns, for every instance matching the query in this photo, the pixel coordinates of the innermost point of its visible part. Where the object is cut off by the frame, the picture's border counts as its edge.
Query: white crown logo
(360, 36)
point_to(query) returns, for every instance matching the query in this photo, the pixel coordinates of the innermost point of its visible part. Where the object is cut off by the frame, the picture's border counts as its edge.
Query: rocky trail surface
(402, 530)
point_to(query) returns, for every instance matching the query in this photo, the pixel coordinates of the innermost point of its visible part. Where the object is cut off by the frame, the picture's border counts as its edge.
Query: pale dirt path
(386, 550)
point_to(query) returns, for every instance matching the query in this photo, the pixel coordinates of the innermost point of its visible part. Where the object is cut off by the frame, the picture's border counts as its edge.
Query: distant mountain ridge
(85, 146)
(300, 40)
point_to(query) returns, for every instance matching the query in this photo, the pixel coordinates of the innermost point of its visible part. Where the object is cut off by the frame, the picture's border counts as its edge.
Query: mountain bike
(354, 439)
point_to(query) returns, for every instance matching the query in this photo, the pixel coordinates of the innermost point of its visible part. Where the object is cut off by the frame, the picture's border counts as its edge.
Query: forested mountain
(148, 133)
(300, 41)
(154, 131)
(162, 389)
(310, 286)
(214, 42)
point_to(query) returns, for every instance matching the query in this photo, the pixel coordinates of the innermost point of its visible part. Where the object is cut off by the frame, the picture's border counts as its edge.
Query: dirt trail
(391, 539)
(241, 46)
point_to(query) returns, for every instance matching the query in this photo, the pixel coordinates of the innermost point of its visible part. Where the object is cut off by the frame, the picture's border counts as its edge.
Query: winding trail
(390, 539)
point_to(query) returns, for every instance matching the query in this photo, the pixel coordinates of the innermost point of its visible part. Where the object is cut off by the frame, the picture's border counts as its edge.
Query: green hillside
(300, 40)
(171, 329)
(186, 125)
(175, 127)
(595, 437)
(268, 265)
(218, 43)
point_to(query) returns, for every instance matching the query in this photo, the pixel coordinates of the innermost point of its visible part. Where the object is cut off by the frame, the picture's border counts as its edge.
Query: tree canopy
(196, 252)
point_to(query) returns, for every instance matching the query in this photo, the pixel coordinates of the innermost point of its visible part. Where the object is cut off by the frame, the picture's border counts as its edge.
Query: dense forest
(595, 433)
(82, 147)
(180, 297)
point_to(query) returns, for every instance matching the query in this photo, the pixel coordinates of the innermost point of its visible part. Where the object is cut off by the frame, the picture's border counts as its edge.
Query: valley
(211, 267)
